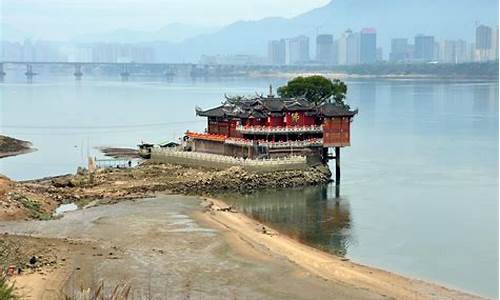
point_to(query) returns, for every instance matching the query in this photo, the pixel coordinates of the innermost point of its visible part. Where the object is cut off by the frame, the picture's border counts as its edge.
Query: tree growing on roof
(316, 89)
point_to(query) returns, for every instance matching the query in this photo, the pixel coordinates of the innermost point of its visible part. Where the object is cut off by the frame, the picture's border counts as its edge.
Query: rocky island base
(37, 199)
(11, 146)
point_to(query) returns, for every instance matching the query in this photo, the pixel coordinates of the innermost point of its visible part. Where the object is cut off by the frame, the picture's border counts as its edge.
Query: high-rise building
(424, 48)
(380, 54)
(399, 50)
(335, 60)
(368, 46)
(494, 44)
(298, 50)
(341, 47)
(483, 43)
(448, 52)
(348, 48)
(324, 49)
(436, 52)
(463, 52)
(353, 48)
(483, 37)
(276, 52)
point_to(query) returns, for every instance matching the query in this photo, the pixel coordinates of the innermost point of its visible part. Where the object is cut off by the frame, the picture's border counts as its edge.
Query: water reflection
(311, 215)
(362, 95)
(484, 98)
(423, 98)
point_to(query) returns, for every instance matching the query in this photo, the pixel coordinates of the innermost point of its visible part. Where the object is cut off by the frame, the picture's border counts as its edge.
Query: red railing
(206, 136)
(277, 144)
(280, 129)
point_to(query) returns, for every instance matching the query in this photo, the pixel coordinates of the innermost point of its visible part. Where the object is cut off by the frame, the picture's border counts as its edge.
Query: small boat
(145, 150)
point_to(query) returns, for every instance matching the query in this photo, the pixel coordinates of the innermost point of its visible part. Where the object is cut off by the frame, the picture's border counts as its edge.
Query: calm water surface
(419, 192)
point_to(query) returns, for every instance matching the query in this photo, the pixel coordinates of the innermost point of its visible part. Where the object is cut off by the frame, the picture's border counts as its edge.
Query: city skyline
(247, 39)
(351, 48)
(354, 48)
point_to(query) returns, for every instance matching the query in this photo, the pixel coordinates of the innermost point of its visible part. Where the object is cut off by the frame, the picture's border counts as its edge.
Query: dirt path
(42, 287)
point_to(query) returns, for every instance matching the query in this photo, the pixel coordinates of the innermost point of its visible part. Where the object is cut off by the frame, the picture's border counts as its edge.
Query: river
(419, 192)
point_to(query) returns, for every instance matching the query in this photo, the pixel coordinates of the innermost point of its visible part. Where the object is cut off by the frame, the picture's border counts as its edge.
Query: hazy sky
(63, 19)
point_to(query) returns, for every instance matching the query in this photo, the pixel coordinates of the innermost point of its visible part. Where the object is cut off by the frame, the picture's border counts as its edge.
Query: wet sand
(249, 234)
(167, 248)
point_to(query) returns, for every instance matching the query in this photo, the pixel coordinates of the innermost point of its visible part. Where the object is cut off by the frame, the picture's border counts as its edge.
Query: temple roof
(261, 107)
(335, 110)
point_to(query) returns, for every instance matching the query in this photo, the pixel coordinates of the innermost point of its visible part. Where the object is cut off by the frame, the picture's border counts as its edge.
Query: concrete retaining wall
(214, 161)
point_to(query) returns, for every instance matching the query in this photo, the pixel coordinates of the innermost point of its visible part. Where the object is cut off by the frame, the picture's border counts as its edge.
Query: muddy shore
(11, 146)
(169, 248)
(180, 246)
(187, 247)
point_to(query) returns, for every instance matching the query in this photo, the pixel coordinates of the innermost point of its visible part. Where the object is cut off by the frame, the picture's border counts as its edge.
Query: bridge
(126, 69)
(167, 70)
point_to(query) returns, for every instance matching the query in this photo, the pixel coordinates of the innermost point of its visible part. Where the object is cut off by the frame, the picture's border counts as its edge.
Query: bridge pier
(337, 172)
(125, 73)
(29, 73)
(2, 72)
(169, 72)
(78, 72)
(326, 157)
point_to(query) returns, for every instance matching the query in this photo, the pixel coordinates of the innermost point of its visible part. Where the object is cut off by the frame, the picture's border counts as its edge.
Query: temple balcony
(206, 136)
(277, 145)
(279, 129)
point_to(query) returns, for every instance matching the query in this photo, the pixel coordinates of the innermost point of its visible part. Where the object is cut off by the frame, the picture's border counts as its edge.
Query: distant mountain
(445, 19)
(174, 32)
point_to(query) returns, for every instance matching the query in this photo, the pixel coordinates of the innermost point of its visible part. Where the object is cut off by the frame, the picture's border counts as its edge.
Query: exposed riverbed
(163, 249)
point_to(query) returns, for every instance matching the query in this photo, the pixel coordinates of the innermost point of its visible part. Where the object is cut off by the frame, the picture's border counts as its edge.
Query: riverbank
(168, 250)
(37, 199)
(250, 234)
(11, 146)
(186, 247)
(468, 71)
(391, 76)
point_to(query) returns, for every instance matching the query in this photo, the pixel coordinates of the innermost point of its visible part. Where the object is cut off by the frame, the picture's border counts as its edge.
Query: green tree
(316, 89)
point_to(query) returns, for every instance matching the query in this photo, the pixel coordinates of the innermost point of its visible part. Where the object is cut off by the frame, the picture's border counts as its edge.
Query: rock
(33, 260)
(229, 208)
(62, 182)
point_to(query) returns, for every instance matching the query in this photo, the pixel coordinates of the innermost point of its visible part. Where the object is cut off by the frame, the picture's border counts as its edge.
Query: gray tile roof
(261, 107)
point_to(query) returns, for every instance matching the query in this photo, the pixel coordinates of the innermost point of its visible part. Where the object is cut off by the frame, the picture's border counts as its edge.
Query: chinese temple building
(271, 127)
